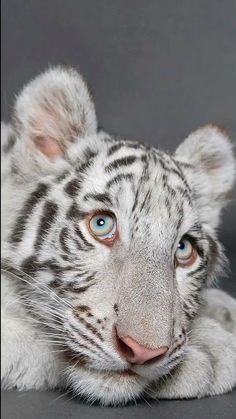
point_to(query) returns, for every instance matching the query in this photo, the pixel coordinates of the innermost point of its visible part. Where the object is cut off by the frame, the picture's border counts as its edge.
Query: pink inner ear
(50, 148)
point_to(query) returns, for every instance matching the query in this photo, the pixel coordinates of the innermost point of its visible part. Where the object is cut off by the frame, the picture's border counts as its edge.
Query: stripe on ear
(53, 111)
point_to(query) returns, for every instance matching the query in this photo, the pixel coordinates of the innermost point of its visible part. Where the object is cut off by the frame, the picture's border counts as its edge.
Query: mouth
(119, 374)
(126, 373)
(81, 362)
(131, 373)
(112, 383)
(108, 387)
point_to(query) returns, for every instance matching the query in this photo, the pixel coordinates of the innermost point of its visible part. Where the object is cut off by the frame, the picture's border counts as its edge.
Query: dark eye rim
(195, 242)
(108, 241)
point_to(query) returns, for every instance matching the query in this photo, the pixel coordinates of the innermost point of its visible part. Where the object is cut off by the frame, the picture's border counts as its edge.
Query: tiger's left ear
(53, 111)
(209, 168)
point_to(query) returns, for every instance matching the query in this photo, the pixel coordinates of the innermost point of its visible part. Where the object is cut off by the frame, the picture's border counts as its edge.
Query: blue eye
(103, 225)
(184, 251)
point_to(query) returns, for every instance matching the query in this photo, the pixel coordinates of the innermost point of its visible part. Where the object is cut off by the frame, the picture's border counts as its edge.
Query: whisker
(62, 395)
(43, 288)
(142, 397)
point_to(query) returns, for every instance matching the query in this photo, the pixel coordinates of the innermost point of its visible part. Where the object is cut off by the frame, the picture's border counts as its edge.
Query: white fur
(54, 127)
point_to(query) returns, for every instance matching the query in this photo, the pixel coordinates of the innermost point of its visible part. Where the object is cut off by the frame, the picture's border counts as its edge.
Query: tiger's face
(114, 240)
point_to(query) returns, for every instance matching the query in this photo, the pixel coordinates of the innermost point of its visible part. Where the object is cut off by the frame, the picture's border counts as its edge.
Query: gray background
(158, 70)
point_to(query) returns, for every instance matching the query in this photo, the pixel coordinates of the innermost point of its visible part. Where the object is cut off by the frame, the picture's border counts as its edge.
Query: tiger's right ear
(53, 111)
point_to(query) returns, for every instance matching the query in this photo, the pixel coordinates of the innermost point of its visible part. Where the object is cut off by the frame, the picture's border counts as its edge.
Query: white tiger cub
(109, 253)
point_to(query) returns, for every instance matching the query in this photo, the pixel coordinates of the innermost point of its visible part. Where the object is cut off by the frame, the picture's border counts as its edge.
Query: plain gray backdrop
(158, 70)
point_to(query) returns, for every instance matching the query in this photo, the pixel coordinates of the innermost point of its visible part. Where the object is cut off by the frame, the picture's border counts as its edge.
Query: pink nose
(135, 353)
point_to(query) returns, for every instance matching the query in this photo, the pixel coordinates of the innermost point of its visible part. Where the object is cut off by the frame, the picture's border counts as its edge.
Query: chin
(111, 388)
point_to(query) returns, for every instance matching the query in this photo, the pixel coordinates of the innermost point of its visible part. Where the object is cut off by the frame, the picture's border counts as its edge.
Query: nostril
(124, 349)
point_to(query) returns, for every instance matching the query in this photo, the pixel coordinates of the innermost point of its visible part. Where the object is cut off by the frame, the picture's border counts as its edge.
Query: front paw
(192, 378)
(208, 367)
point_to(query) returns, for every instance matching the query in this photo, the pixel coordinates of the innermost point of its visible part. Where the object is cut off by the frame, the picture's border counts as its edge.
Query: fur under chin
(106, 388)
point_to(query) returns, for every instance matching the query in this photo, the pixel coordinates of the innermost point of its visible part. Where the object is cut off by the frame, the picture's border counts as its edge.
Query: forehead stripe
(72, 187)
(82, 238)
(124, 161)
(119, 178)
(49, 214)
(21, 222)
(114, 148)
(102, 197)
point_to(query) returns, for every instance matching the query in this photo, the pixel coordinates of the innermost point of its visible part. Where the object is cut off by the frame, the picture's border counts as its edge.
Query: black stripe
(10, 143)
(189, 312)
(55, 268)
(78, 290)
(89, 154)
(163, 164)
(114, 148)
(81, 236)
(79, 245)
(196, 228)
(74, 213)
(213, 249)
(123, 161)
(174, 171)
(73, 287)
(90, 327)
(82, 168)
(7, 266)
(184, 194)
(183, 177)
(30, 265)
(184, 164)
(49, 213)
(62, 239)
(101, 197)
(90, 340)
(198, 270)
(62, 176)
(135, 200)
(107, 139)
(82, 275)
(146, 200)
(170, 190)
(56, 283)
(72, 187)
(197, 243)
(129, 177)
(30, 204)
(136, 146)
(76, 358)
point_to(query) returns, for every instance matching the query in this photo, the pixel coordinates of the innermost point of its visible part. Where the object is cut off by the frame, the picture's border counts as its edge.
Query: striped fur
(63, 291)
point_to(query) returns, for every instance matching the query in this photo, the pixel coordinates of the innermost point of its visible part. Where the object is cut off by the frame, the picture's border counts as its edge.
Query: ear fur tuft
(54, 110)
(210, 153)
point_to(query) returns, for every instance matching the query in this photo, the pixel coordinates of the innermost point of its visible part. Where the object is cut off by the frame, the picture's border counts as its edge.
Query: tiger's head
(111, 241)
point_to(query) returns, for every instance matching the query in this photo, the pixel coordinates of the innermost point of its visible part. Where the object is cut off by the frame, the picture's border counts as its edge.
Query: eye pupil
(100, 222)
(181, 245)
